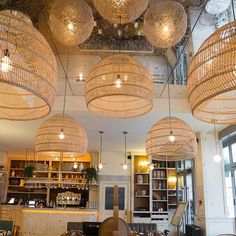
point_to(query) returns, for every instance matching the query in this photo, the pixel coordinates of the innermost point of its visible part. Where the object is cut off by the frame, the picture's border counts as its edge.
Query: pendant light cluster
(100, 162)
(28, 70)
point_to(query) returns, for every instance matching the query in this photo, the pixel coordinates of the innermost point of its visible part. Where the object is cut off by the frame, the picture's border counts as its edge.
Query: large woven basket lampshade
(119, 87)
(159, 147)
(71, 21)
(47, 140)
(212, 78)
(165, 23)
(28, 69)
(120, 11)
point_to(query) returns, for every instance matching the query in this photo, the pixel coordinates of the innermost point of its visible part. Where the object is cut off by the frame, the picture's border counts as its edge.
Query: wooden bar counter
(50, 221)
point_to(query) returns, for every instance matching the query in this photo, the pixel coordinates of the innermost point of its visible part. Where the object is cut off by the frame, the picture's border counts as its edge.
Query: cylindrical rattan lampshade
(159, 147)
(71, 21)
(165, 23)
(119, 87)
(212, 78)
(120, 11)
(28, 69)
(47, 140)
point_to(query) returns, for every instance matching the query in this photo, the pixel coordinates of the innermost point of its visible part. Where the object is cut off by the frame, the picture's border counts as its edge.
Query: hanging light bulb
(165, 29)
(118, 82)
(217, 158)
(81, 77)
(5, 63)
(125, 166)
(70, 27)
(151, 167)
(171, 137)
(100, 166)
(75, 166)
(61, 134)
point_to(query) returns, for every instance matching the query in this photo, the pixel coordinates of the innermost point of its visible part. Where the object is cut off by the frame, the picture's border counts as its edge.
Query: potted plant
(28, 171)
(91, 174)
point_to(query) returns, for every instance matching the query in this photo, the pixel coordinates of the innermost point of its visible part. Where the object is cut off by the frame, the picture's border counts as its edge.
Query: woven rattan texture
(47, 139)
(212, 78)
(165, 23)
(71, 21)
(120, 11)
(28, 88)
(134, 95)
(159, 147)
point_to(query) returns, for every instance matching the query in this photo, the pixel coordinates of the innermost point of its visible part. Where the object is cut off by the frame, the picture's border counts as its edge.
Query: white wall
(216, 219)
(112, 164)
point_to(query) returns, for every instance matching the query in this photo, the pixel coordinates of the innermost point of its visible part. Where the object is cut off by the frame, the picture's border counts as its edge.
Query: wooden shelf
(17, 192)
(57, 172)
(141, 173)
(17, 168)
(159, 200)
(159, 178)
(142, 184)
(157, 189)
(141, 196)
(11, 177)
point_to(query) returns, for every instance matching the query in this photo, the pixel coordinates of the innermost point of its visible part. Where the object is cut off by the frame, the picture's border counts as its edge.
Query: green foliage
(28, 171)
(91, 173)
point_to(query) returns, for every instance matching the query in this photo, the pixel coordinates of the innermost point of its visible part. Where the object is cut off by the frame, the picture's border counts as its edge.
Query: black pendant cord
(178, 59)
(125, 139)
(101, 144)
(215, 134)
(57, 52)
(168, 91)
(65, 91)
(232, 3)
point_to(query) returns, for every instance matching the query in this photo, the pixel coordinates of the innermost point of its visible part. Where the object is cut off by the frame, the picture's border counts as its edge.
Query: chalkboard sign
(109, 194)
(178, 213)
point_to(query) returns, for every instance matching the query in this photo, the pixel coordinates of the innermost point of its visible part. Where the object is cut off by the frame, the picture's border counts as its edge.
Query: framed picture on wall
(109, 195)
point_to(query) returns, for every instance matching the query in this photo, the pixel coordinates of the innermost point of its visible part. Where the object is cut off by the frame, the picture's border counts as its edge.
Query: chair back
(6, 225)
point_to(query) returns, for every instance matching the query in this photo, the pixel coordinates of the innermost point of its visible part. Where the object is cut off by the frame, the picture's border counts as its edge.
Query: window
(229, 153)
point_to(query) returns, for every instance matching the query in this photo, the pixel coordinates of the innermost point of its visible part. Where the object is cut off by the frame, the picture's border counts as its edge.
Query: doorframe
(103, 213)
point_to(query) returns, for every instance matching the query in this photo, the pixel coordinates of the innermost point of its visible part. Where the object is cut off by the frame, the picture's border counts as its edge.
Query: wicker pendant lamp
(160, 146)
(71, 21)
(120, 11)
(119, 87)
(165, 23)
(74, 141)
(212, 78)
(28, 70)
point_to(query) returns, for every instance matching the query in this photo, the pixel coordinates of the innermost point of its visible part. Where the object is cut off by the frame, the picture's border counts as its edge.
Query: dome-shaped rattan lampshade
(159, 147)
(71, 21)
(119, 87)
(165, 23)
(212, 78)
(47, 139)
(28, 69)
(120, 11)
